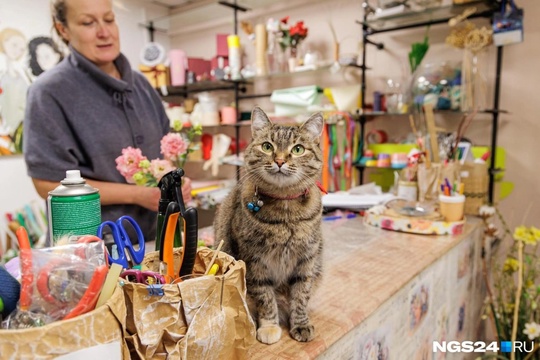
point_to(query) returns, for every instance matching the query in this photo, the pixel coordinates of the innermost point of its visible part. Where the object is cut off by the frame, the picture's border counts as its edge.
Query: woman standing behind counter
(83, 112)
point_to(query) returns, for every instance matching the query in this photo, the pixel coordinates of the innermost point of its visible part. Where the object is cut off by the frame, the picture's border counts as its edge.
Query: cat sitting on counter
(272, 221)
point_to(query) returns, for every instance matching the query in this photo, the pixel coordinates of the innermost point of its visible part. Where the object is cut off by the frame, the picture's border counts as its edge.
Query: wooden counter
(390, 294)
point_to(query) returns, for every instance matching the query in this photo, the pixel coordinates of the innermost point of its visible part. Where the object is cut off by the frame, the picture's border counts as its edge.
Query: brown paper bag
(429, 179)
(97, 327)
(205, 317)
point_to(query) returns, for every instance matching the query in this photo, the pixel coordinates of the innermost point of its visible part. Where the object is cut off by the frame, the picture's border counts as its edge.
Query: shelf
(228, 85)
(379, 167)
(201, 86)
(436, 15)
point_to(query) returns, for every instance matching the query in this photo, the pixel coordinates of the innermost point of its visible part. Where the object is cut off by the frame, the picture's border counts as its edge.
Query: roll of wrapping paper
(376, 137)
(260, 50)
(326, 155)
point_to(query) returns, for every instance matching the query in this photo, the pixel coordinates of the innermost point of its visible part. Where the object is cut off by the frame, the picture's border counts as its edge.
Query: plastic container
(452, 207)
(407, 190)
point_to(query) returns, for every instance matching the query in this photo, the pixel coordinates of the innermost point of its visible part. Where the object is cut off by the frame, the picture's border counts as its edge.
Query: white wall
(32, 18)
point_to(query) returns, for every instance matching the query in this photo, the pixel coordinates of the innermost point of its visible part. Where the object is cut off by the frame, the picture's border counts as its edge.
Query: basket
(475, 179)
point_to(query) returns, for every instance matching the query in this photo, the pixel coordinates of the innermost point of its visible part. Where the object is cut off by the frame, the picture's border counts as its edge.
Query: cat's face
(284, 156)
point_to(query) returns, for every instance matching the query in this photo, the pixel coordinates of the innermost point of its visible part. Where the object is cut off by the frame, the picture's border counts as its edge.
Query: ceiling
(187, 16)
(170, 3)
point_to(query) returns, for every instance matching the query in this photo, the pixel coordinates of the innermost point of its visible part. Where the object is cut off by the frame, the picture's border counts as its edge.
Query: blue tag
(155, 290)
(508, 25)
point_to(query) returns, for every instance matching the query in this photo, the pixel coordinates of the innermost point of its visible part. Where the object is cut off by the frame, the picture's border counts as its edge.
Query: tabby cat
(272, 221)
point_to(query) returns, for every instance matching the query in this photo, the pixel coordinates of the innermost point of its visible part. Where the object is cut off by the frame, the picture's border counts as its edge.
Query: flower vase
(474, 81)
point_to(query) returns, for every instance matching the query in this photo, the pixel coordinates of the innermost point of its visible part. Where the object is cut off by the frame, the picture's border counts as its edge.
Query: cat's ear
(259, 120)
(313, 127)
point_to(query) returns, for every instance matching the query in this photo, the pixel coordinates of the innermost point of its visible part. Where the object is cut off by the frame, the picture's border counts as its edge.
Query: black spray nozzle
(171, 189)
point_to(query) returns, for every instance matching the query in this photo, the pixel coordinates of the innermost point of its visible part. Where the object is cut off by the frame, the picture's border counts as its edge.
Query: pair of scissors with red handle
(123, 242)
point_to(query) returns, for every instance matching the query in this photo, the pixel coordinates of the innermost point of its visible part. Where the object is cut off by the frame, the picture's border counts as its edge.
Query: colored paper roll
(260, 50)
(376, 137)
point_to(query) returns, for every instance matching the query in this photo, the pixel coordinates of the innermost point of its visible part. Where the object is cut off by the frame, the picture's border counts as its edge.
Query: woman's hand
(186, 189)
(148, 197)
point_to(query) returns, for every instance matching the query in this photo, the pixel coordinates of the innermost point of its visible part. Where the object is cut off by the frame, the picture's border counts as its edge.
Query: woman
(84, 111)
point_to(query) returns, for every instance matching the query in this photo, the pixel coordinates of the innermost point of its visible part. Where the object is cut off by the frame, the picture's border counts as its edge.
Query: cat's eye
(267, 147)
(298, 150)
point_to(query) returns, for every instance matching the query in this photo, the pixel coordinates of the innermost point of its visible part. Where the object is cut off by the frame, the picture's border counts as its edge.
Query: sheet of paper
(111, 351)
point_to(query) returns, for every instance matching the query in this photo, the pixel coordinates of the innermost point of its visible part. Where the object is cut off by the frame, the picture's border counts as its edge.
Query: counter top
(364, 267)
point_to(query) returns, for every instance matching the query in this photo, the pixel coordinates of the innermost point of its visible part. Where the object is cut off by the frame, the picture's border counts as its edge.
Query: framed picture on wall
(22, 60)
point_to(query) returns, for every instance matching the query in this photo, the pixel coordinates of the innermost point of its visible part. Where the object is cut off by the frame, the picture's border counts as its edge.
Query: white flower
(532, 330)
(486, 210)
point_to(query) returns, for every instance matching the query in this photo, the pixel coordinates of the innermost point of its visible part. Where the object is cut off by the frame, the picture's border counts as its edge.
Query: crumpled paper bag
(429, 179)
(99, 326)
(205, 317)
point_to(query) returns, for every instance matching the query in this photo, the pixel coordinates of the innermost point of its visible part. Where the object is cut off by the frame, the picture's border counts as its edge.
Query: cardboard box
(222, 49)
(157, 75)
(199, 66)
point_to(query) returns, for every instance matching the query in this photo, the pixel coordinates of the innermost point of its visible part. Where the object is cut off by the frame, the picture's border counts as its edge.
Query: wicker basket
(475, 179)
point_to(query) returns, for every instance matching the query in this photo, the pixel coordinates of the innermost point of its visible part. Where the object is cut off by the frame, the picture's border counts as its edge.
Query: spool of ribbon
(376, 137)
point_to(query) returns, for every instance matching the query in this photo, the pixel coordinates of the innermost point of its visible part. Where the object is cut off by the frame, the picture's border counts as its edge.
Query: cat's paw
(269, 334)
(303, 333)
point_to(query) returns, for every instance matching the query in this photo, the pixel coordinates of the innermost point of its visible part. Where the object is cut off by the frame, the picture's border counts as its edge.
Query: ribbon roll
(376, 137)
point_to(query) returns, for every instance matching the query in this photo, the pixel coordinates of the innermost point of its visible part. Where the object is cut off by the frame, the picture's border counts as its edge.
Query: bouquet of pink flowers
(175, 147)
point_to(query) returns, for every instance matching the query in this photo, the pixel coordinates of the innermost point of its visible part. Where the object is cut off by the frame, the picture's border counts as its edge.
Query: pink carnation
(159, 167)
(128, 163)
(173, 145)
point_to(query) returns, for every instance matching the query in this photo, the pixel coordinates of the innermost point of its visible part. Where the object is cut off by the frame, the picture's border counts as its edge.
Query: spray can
(73, 207)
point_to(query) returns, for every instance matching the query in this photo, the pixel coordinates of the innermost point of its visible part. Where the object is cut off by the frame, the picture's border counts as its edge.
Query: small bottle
(233, 41)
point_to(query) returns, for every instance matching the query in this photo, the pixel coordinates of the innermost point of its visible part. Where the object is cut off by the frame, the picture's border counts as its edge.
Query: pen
(337, 217)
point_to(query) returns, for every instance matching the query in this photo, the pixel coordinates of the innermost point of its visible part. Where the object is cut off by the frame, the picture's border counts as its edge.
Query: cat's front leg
(300, 293)
(268, 329)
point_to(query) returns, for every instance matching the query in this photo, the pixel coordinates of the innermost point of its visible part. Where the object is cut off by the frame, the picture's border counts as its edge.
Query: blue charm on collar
(255, 204)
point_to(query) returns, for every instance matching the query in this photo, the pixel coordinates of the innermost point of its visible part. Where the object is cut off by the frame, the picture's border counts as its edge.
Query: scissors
(143, 277)
(123, 241)
(170, 185)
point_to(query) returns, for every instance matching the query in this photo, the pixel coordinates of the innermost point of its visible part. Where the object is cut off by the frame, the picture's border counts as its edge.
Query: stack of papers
(354, 202)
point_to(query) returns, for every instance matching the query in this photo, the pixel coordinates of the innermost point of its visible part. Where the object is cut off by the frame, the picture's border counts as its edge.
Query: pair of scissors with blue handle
(123, 241)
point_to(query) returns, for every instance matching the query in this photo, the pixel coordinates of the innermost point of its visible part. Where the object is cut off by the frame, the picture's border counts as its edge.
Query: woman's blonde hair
(58, 14)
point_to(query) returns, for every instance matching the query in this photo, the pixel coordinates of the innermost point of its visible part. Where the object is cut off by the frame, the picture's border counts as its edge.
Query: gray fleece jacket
(78, 117)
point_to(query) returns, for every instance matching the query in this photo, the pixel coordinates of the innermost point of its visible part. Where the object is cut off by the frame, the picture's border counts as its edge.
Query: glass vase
(474, 92)
(296, 57)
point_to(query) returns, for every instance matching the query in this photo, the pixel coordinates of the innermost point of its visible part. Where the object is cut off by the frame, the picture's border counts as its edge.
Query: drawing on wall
(20, 64)
(43, 54)
(375, 348)
(466, 258)
(424, 350)
(419, 306)
(441, 331)
(461, 321)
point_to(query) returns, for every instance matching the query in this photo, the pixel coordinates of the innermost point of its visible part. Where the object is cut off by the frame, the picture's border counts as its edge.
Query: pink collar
(290, 197)
(277, 197)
